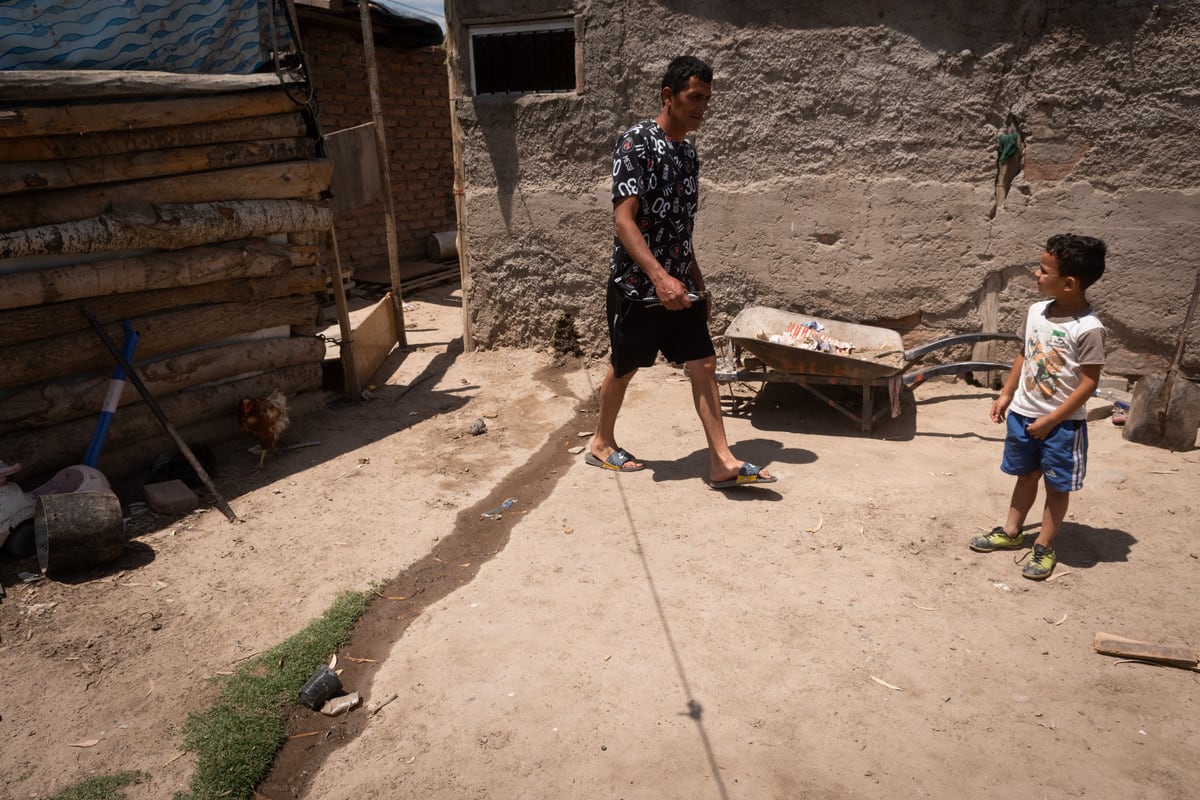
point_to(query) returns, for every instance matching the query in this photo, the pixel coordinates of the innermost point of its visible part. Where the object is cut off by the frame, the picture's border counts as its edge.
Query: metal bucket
(78, 530)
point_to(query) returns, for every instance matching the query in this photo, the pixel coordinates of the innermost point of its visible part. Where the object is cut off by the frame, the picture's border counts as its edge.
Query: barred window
(524, 58)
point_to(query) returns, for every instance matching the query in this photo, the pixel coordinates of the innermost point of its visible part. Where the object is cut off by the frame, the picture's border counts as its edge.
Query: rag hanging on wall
(1009, 160)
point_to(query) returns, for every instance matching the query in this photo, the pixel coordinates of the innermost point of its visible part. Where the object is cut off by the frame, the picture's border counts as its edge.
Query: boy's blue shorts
(1061, 456)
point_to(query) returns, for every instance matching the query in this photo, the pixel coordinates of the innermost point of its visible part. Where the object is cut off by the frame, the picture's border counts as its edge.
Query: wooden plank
(389, 218)
(77, 117)
(49, 404)
(82, 352)
(24, 176)
(47, 148)
(283, 181)
(82, 84)
(246, 258)
(357, 179)
(374, 338)
(989, 314)
(39, 322)
(455, 31)
(1112, 645)
(168, 226)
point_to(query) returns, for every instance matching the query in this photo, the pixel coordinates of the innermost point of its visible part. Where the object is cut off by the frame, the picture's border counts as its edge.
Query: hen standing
(266, 419)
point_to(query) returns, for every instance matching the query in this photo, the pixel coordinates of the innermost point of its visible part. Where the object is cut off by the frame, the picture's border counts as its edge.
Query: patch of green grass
(103, 787)
(237, 738)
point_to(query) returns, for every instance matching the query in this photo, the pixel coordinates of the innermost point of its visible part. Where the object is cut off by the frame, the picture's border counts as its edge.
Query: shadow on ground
(791, 408)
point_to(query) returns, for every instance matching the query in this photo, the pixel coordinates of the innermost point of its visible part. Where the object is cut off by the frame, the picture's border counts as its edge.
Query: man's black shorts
(638, 333)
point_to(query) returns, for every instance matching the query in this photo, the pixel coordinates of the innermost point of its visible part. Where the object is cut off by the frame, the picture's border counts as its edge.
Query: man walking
(656, 300)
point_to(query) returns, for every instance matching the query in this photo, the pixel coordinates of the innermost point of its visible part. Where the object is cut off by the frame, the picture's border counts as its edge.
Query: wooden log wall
(187, 205)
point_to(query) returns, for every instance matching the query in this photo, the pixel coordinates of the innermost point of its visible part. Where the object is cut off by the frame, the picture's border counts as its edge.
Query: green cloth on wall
(1009, 143)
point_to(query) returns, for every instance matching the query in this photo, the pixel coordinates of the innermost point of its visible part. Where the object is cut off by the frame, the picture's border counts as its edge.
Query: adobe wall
(849, 163)
(415, 100)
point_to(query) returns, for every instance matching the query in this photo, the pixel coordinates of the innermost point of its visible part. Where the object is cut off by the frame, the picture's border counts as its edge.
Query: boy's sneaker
(996, 539)
(1041, 563)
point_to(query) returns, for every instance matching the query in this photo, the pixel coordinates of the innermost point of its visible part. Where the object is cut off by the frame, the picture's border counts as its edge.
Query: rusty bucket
(77, 530)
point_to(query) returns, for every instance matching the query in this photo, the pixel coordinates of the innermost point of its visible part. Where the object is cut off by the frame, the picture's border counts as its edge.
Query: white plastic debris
(340, 705)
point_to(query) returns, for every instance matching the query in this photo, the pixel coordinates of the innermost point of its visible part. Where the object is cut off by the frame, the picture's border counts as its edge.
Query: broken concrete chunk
(170, 497)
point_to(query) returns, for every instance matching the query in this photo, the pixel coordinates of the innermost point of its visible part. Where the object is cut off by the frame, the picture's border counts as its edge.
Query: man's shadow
(764, 453)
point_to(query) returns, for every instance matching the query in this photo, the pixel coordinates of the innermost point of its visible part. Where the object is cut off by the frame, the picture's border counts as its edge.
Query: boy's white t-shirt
(1055, 349)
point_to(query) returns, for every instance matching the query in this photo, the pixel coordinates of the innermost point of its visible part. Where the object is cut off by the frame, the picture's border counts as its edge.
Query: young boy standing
(1045, 397)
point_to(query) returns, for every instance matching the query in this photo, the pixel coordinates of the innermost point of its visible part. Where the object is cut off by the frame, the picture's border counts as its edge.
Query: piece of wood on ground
(374, 338)
(1112, 645)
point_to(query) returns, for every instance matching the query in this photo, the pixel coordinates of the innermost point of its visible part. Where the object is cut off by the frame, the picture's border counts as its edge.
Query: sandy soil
(639, 635)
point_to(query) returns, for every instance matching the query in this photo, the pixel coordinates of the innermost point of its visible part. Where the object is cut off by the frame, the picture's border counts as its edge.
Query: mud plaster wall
(849, 163)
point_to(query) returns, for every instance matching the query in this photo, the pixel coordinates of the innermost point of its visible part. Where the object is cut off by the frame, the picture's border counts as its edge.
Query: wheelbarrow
(876, 360)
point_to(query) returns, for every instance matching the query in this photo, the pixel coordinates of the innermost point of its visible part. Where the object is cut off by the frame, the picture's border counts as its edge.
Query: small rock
(170, 497)
(478, 427)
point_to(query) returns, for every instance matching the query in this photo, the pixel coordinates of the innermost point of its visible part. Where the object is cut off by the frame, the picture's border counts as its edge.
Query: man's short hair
(1079, 257)
(682, 69)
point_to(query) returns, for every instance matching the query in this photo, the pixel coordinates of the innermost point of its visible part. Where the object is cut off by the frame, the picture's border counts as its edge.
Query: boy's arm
(1089, 379)
(1000, 404)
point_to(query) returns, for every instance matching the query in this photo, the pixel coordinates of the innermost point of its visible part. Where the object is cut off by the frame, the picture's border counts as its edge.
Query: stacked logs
(189, 206)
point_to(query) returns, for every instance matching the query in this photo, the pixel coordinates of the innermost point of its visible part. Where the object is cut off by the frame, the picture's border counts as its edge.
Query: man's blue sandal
(616, 461)
(748, 475)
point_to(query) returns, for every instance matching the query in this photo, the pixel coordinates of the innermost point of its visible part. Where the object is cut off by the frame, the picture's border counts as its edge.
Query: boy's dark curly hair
(1079, 257)
(682, 69)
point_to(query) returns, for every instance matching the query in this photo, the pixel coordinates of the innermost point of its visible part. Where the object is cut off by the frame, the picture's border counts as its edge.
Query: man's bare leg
(612, 396)
(722, 463)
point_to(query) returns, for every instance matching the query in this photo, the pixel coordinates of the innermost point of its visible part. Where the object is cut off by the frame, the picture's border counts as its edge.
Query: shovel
(1165, 411)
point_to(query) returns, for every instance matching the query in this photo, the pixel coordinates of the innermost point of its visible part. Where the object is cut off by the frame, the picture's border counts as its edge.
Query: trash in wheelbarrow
(809, 335)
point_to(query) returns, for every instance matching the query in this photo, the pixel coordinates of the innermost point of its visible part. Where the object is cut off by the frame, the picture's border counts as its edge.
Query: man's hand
(672, 294)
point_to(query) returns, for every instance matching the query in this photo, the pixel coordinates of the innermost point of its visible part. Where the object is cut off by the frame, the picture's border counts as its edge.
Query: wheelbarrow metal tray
(878, 352)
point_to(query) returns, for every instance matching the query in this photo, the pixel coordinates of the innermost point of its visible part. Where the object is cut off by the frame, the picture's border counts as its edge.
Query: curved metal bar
(962, 338)
(918, 377)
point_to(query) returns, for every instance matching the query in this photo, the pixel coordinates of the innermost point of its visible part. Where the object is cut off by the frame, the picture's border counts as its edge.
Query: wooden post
(989, 312)
(368, 35)
(346, 349)
(453, 31)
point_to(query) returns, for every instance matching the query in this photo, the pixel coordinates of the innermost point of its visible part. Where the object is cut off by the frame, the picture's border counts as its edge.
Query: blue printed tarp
(196, 36)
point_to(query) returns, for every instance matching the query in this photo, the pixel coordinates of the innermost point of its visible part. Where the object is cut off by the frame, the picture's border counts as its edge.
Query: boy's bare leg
(722, 463)
(1024, 493)
(1052, 516)
(612, 396)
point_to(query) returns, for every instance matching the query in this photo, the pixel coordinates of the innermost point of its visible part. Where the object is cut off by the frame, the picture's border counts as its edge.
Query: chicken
(266, 419)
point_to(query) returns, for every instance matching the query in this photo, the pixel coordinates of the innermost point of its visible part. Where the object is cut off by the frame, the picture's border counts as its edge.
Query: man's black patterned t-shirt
(664, 175)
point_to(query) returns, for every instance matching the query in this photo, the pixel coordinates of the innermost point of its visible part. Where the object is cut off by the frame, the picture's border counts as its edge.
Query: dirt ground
(635, 635)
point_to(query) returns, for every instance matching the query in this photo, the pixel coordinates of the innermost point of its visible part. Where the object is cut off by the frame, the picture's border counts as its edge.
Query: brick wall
(415, 97)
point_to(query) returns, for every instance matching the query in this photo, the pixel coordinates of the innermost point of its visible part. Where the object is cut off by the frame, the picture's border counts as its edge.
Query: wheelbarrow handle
(913, 379)
(962, 338)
